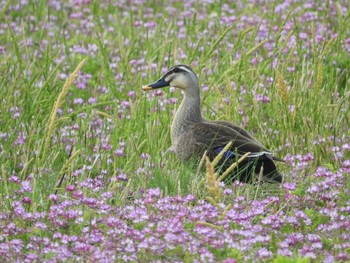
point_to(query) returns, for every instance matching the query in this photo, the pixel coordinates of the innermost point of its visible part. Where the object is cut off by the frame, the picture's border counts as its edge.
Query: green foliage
(281, 259)
(37, 62)
(312, 111)
(235, 254)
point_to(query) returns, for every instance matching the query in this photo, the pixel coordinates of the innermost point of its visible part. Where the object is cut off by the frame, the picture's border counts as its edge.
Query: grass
(52, 138)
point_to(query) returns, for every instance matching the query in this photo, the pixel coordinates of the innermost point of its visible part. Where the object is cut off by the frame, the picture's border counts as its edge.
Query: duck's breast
(186, 147)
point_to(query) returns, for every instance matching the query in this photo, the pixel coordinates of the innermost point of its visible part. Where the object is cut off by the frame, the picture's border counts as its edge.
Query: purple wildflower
(14, 179)
(119, 152)
(263, 253)
(262, 98)
(26, 187)
(78, 101)
(122, 177)
(70, 188)
(92, 100)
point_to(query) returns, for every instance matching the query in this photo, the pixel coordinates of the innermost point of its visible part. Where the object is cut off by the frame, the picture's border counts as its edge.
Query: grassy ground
(81, 151)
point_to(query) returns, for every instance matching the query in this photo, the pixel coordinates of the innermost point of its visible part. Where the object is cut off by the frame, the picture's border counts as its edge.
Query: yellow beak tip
(146, 87)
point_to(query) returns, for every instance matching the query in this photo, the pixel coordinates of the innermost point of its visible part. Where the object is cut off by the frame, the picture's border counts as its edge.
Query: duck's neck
(188, 114)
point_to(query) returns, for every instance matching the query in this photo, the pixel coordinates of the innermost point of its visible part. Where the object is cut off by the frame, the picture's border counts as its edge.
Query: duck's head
(179, 76)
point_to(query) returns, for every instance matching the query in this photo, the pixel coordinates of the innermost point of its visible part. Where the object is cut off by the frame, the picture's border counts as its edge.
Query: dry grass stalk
(319, 79)
(220, 228)
(219, 156)
(213, 184)
(65, 168)
(201, 164)
(282, 87)
(224, 212)
(59, 102)
(233, 166)
(213, 181)
(103, 114)
(260, 179)
(328, 44)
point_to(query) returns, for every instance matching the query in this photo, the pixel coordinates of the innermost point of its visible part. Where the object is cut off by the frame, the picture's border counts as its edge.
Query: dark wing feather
(211, 135)
(238, 129)
(246, 134)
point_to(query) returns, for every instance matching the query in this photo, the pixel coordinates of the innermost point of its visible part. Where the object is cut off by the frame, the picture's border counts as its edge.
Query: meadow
(87, 169)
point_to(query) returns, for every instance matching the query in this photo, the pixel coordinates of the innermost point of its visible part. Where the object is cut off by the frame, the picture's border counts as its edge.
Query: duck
(192, 135)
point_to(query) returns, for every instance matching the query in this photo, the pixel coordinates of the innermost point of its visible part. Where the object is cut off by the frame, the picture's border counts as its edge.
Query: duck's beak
(161, 83)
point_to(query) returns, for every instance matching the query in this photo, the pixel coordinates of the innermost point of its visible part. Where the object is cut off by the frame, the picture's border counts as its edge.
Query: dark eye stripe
(175, 70)
(178, 69)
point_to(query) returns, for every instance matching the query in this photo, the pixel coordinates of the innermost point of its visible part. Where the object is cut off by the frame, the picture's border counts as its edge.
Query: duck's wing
(238, 129)
(213, 135)
(248, 136)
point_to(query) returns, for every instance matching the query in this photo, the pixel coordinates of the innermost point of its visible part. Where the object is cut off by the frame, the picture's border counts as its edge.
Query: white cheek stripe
(168, 78)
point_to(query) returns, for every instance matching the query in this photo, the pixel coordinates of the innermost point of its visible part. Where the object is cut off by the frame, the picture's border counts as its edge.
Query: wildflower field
(87, 169)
